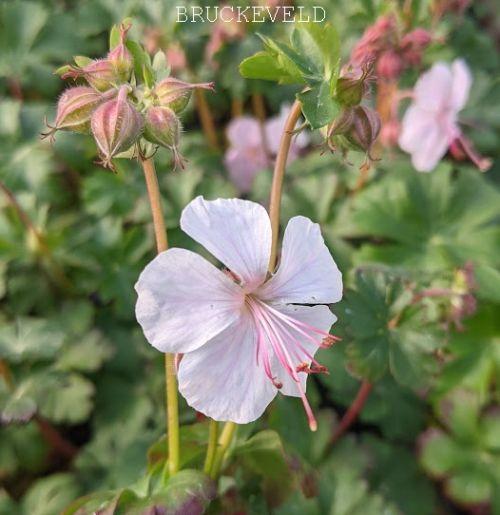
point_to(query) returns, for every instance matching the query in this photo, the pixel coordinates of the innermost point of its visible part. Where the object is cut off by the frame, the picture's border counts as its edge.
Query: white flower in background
(430, 125)
(246, 155)
(244, 335)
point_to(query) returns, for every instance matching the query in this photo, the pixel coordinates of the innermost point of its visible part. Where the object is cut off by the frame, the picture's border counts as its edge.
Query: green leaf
(385, 332)
(429, 221)
(263, 66)
(30, 339)
(142, 61)
(16, 406)
(318, 107)
(64, 397)
(50, 495)
(327, 39)
(86, 355)
(263, 454)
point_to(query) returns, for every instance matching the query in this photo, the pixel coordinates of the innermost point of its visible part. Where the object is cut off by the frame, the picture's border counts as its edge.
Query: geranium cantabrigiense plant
(318, 331)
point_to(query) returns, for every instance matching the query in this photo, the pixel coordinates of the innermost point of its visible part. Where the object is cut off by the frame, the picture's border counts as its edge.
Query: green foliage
(385, 332)
(73, 359)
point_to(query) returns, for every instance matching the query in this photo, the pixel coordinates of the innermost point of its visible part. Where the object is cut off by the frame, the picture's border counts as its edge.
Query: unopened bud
(116, 125)
(175, 93)
(353, 86)
(120, 57)
(365, 128)
(100, 74)
(75, 108)
(389, 65)
(416, 38)
(163, 127)
(342, 123)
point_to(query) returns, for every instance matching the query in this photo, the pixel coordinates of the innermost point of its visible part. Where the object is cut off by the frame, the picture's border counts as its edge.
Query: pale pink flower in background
(430, 124)
(246, 154)
(274, 130)
(245, 335)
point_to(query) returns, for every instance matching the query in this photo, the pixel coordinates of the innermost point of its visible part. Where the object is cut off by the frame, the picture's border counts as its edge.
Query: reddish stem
(354, 409)
(55, 439)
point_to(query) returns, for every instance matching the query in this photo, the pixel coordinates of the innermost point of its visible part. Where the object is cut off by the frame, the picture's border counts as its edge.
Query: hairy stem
(225, 440)
(354, 409)
(213, 433)
(172, 402)
(279, 173)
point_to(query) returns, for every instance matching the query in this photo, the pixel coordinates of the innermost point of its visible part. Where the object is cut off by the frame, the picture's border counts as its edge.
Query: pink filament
(275, 332)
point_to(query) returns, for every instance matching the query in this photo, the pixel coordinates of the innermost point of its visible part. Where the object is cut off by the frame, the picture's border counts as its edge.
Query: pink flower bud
(163, 127)
(365, 128)
(120, 57)
(100, 74)
(116, 125)
(418, 37)
(389, 65)
(175, 93)
(75, 107)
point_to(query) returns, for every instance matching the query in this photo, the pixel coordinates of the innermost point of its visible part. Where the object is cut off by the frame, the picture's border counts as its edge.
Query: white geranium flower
(244, 335)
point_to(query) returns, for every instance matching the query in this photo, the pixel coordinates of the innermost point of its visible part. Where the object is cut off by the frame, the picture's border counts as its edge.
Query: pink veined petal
(319, 317)
(415, 125)
(243, 166)
(462, 81)
(237, 232)
(433, 89)
(307, 273)
(222, 379)
(432, 147)
(184, 301)
(243, 132)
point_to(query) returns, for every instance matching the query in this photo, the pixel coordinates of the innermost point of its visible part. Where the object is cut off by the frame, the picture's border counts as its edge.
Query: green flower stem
(213, 433)
(172, 404)
(278, 175)
(274, 215)
(225, 440)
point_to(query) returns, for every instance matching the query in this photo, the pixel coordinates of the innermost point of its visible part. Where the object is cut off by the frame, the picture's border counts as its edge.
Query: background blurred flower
(430, 124)
(246, 154)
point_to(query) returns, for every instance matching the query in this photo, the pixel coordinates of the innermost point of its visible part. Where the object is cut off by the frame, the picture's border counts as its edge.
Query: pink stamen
(268, 324)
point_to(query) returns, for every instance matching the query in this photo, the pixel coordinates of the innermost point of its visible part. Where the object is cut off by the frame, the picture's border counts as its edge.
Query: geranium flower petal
(432, 147)
(415, 125)
(184, 301)
(237, 232)
(307, 273)
(222, 379)
(462, 81)
(244, 132)
(433, 89)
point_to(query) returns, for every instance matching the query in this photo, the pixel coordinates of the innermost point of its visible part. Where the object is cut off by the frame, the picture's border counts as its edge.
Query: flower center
(282, 337)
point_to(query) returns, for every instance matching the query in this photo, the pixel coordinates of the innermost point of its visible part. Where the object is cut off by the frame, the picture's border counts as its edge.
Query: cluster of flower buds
(357, 126)
(390, 50)
(123, 114)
